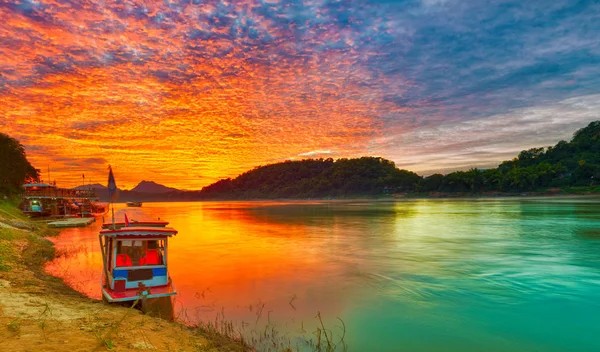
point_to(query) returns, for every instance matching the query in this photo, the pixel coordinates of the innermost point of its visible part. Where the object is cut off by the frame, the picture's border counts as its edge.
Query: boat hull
(37, 214)
(131, 295)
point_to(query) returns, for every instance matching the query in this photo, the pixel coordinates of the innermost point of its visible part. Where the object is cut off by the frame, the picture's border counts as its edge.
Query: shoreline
(40, 312)
(393, 198)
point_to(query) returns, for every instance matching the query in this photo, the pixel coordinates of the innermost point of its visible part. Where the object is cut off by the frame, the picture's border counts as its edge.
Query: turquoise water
(424, 275)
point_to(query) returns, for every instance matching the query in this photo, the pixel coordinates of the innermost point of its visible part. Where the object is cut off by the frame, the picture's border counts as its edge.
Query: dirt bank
(38, 312)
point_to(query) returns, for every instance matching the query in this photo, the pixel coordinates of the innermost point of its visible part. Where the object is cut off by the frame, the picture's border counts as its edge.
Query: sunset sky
(186, 92)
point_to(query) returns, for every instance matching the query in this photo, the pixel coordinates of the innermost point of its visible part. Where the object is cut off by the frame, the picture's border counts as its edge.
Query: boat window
(140, 252)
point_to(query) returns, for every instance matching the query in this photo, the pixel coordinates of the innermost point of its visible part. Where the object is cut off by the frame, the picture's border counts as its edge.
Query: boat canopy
(135, 231)
(135, 223)
(40, 185)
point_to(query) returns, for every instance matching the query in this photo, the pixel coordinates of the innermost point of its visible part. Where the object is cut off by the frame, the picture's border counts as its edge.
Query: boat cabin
(135, 263)
(44, 199)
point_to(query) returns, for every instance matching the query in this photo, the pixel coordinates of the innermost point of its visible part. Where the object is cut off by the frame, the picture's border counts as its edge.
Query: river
(513, 274)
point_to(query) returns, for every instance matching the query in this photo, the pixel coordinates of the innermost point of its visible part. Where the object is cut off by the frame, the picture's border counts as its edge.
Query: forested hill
(567, 164)
(316, 178)
(574, 163)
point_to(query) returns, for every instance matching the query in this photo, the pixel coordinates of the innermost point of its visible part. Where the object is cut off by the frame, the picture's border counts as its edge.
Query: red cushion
(151, 258)
(123, 260)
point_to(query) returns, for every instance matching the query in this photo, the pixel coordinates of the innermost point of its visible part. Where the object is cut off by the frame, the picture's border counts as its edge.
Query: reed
(15, 325)
(255, 336)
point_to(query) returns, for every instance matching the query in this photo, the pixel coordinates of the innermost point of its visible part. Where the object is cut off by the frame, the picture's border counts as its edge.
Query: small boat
(99, 208)
(135, 266)
(35, 208)
(45, 199)
(134, 204)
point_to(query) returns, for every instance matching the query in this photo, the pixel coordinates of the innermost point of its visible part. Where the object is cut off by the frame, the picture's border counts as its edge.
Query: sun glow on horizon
(187, 93)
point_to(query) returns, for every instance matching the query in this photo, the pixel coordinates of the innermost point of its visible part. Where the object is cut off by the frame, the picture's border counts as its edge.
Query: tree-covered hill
(574, 163)
(316, 178)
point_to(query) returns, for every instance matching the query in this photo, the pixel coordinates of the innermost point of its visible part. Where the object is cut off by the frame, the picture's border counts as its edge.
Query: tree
(317, 178)
(15, 169)
(432, 183)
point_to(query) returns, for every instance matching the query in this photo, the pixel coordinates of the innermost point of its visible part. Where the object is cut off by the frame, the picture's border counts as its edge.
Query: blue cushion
(120, 273)
(159, 271)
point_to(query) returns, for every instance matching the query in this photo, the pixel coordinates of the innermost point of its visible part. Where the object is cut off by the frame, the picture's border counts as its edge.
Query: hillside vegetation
(14, 166)
(567, 164)
(574, 163)
(316, 178)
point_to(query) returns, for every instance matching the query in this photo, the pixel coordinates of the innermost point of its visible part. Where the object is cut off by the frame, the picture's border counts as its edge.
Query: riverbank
(39, 312)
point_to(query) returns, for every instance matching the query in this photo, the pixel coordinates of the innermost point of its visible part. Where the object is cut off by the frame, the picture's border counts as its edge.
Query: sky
(185, 93)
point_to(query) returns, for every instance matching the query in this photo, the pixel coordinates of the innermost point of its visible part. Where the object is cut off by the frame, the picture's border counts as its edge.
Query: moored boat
(99, 208)
(134, 204)
(45, 199)
(135, 266)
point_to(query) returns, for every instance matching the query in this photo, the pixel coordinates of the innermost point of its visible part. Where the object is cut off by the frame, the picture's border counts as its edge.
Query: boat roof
(134, 231)
(38, 185)
(135, 223)
(137, 218)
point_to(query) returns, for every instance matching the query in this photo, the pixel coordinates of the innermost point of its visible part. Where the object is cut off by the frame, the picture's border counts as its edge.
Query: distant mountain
(153, 187)
(144, 191)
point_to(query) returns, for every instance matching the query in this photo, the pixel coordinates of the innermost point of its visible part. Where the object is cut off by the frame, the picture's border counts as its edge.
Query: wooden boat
(134, 204)
(35, 208)
(135, 266)
(99, 208)
(45, 199)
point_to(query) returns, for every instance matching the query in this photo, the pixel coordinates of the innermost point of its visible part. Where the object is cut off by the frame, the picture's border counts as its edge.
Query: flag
(112, 185)
(126, 220)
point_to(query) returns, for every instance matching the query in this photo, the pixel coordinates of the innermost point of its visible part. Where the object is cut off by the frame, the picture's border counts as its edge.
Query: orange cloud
(183, 96)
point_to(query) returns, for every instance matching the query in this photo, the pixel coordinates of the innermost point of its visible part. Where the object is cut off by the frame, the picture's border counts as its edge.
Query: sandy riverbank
(39, 312)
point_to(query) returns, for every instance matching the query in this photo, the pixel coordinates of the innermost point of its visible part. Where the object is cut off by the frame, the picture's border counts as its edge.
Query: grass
(255, 337)
(7, 255)
(9, 209)
(15, 325)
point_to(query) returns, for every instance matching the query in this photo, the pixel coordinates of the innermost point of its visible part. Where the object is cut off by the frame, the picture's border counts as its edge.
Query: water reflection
(424, 274)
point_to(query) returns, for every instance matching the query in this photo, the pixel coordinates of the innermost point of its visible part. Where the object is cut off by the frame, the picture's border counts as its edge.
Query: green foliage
(575, 163)
(15, 325)
(317, 178)
(7, 256)
(14, 167)
(567, 164)
(432, 183)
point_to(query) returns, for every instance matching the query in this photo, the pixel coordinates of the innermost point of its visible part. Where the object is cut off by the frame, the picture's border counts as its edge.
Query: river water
(516, 274)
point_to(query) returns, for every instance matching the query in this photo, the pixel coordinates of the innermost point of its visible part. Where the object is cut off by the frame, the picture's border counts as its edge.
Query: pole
(103, 249)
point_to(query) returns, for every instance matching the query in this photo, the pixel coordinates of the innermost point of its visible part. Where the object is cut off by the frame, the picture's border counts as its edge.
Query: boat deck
(71, 222)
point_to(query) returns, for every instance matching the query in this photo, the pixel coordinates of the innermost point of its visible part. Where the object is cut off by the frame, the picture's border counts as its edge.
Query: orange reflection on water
(226, 259)
(78, 259)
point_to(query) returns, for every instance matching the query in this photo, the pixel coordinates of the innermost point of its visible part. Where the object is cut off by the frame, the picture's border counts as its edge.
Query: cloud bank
(186, 92)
